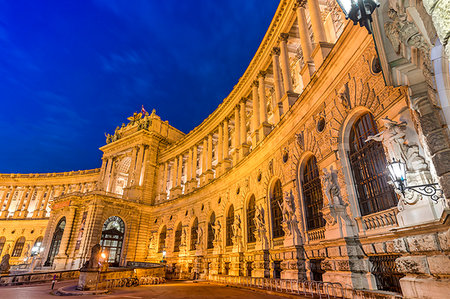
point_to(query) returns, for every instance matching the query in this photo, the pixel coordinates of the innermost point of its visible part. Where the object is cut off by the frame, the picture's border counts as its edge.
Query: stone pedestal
(320, 52)
(261, 265)
(293, 263)
(288, 100)
(175, 192)
(191, 185)
(226, 164)
(133, 193)
(306, 72)
(338, 223)
(209, 176)
(88, 280)
(255, 138)
(216, 265)
(237, 265)
(264, 129)
(243, 150)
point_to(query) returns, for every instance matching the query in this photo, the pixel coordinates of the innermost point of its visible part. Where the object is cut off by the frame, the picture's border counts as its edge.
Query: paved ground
(175, 290)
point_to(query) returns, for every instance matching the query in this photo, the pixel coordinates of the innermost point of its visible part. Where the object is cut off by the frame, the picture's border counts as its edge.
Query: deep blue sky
(72, 70)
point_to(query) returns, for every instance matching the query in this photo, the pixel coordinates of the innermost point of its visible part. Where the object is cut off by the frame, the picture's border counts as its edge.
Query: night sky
(72, 70)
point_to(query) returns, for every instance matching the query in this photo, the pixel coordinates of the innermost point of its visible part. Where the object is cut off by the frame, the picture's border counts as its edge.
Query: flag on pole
(144, 112)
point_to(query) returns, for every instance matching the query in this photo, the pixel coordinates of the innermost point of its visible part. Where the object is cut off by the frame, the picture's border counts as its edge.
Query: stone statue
(198, 244)
(93, 263)
(288, 212)
(108, 138)
(260, 224)
(152, 241)
(4, 265)
(394, 140)
(237, 231)
(332, 189)
(183, 237)
(217, 228)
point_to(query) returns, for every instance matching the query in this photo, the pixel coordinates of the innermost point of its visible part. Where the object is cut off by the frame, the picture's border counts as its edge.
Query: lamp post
(397, 173)
(359, 11)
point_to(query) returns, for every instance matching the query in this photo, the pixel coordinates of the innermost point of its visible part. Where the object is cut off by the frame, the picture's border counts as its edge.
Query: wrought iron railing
(299, 287)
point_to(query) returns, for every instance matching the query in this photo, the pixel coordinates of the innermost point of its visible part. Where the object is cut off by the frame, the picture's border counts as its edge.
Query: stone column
(277, 84)
(163, 192)
(316, 21)
(244, 148)
(61, 257)
(24, 213)
(18, 210)
(189, 166)
(237, 137)
(179, 170)
(5, 212)
(305, 42)
(226, 164)
(174, 178)
(204, 155)
(131, 172)
(41, 196)
(139, 162)
(194, 166)
(108, 174)
(209, 157)
(4, 195)
(322, 48)
(255, 116)
(220, 143)
(265, 127)
(102, 170)
(42, 210)
(287, 80)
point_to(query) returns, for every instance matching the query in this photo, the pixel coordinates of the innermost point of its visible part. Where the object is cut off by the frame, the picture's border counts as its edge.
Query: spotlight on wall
(359, 11)
(397, 172)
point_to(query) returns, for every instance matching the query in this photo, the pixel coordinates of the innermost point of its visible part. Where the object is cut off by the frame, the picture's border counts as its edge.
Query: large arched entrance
(112, 239)
(56, 241)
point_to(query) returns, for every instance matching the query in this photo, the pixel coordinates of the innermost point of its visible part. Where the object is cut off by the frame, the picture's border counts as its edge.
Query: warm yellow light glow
(103, 255)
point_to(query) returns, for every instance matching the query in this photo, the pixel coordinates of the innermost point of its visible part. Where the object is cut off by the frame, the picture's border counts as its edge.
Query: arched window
(368, 163)
(36, 249)
(178, 232)
(112, 239)
(17, 251)
(212, 220)
(2, 244)
(162, 239)
(251, 226)
(229, 226)
(312, 194)
(194, 234)
(276, 200)
(56, 241)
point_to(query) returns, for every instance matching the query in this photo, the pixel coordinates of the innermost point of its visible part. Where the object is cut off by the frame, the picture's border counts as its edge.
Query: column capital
(261, 74)
(300, 3)
(255, 83)
(284, 37)
(275, 51)
(243, 100)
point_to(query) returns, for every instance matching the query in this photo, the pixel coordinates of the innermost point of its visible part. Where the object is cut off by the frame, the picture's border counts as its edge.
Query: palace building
(287, 178)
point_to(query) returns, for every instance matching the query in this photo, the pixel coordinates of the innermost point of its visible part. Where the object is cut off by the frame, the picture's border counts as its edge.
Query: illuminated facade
(286, 178)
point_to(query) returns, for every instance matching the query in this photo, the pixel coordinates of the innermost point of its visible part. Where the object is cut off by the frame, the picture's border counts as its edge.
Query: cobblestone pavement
(175, 290)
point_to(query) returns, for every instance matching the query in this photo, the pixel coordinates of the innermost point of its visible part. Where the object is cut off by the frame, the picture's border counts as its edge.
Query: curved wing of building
(286, 178)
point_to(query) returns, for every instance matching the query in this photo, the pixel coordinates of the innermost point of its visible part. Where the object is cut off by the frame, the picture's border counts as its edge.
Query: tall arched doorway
(112, 239)
(56, 241)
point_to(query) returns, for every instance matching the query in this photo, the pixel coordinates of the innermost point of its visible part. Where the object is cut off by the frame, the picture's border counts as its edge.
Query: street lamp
(359, 11)
(397, 172)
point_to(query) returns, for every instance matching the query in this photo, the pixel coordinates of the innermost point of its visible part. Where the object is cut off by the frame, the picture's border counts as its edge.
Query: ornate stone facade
(286, 178)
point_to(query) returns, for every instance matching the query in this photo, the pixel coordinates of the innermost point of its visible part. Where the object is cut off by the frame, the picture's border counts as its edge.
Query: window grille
(275, 201)
(229, 226)
(368, 163)
(177, 243)
(212, 221)
(194, 234)
(112, 239)
(312, 195)
(251, 226)
(17, 251)
(385, 272)
(162, 240)
(56, 241)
